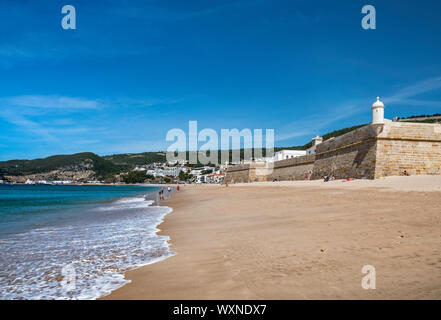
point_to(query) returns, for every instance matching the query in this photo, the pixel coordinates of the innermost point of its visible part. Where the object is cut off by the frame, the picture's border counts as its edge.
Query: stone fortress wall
(292, 169)
(373, 151)
(238, 174)
(414, 147)
(351, 155)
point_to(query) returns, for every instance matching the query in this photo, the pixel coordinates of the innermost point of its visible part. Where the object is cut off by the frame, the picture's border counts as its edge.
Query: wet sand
(299, 240)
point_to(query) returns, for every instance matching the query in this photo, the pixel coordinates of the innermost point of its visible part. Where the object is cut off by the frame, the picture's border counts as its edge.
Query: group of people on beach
(161, 192)
(328, 178)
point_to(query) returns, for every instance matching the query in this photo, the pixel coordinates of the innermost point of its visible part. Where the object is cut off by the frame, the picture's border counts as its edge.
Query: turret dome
(378, 104)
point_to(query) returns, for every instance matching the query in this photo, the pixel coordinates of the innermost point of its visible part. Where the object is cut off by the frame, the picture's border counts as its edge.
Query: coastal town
(154, 173)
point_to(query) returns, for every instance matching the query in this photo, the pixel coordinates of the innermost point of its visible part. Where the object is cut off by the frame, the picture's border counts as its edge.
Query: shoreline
(98, 235)
(297, 240)
(158, 203)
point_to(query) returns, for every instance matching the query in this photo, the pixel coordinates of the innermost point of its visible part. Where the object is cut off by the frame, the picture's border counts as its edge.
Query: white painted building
(315, 141)
(162, 172)
(155, 172)
(198, 171)
(201, 178)
(288, 154)
(62, 182)
(215, 178)
(174, 172)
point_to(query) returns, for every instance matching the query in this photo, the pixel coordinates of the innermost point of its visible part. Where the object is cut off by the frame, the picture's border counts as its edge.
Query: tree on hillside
(134, 177)
(185, 176)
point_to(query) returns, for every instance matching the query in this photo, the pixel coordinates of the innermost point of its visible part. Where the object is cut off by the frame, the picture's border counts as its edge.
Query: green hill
(75, 162)
(133, 159)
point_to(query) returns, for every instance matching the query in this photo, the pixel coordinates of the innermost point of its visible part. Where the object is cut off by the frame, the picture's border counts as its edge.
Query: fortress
(382, 148)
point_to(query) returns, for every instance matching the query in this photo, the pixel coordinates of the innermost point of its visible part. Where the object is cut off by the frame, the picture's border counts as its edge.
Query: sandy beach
(299, 240)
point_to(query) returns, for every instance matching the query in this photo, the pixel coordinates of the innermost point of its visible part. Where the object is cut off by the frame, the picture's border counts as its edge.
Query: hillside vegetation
(134, 159)
(425, 118)
(74, 162)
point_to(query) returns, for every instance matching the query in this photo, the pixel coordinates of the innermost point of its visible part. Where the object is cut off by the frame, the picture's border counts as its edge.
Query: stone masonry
(373, 151)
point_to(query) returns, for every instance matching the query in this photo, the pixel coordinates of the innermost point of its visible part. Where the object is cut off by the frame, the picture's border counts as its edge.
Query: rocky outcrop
(55, 175)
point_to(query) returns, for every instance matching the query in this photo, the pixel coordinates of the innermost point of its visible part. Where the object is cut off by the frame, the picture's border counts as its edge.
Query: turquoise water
(27, 206)
(82, 236)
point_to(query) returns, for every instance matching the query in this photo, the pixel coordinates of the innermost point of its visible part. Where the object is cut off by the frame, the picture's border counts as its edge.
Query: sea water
(75, 242)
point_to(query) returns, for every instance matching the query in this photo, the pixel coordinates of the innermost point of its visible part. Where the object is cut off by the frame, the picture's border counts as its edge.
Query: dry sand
(299, 240)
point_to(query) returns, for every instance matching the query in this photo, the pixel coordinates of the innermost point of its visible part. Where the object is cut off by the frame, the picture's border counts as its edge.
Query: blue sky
(132, 70)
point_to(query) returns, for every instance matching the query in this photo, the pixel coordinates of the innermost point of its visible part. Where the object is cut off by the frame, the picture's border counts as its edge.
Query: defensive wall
(372, 151)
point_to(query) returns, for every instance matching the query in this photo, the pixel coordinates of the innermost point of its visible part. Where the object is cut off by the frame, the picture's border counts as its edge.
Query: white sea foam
(101, 246)
(128, 203)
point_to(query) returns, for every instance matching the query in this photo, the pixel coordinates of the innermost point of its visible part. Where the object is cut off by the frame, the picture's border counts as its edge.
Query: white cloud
(49, 102)
(403, 95)
(416, 89)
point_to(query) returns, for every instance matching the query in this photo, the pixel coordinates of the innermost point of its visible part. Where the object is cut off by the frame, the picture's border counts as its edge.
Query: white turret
(317, 140)
(378, 112)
